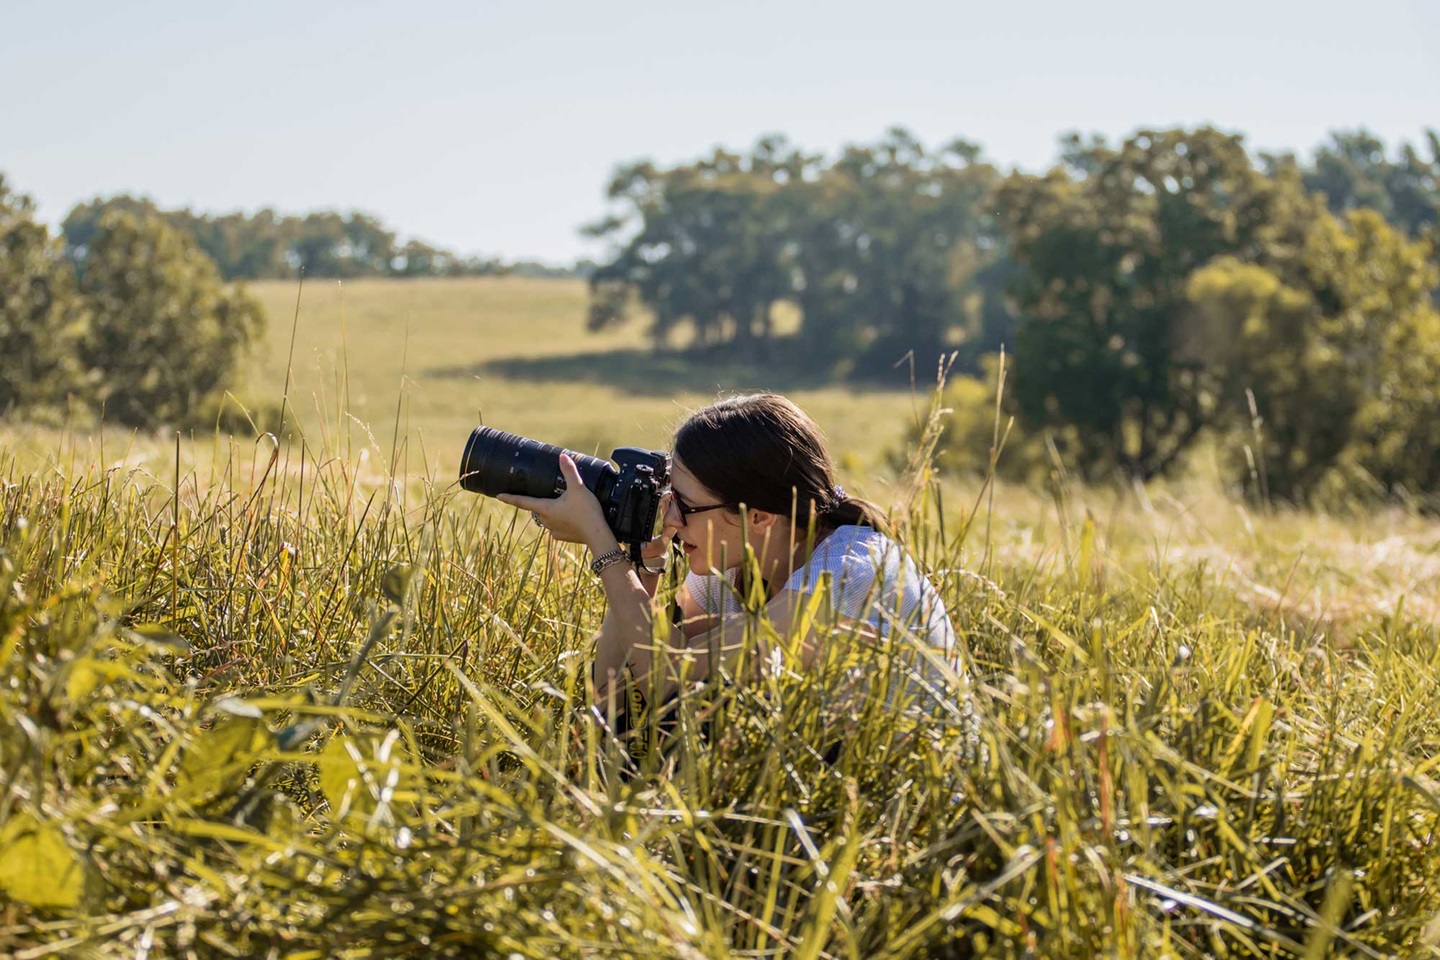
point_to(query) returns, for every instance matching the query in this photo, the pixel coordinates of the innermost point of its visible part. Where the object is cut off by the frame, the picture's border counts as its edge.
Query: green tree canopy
(41, 319)
(894, 250)
(267, 244)
(1354, 170)
(166, 337)
(1106, 244)
(1336, 356)
(887, 250)
(703, 246)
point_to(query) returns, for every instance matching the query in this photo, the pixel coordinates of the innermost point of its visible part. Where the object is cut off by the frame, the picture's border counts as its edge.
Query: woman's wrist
(601, 541)
(650, 581)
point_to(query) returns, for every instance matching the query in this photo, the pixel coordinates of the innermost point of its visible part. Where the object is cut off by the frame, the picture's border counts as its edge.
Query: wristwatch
(598, 565)
(656, 566)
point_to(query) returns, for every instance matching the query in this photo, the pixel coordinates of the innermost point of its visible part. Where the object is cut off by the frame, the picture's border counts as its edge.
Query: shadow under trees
(651, 372)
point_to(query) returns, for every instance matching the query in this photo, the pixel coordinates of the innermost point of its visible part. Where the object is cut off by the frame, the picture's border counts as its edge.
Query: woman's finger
(570, 472)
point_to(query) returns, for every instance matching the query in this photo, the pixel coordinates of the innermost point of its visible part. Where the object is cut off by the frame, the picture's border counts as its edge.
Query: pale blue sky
(491, 128)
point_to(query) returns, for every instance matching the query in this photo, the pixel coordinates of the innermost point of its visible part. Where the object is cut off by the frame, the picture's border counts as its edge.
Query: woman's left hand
(573, 517)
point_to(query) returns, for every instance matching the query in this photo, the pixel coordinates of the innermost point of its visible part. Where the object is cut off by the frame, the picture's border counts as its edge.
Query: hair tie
(832, 502)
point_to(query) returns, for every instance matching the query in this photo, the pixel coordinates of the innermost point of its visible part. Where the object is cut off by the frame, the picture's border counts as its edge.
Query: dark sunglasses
(686, 510)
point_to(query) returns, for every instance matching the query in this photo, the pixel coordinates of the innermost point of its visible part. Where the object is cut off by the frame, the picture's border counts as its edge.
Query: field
(286, 702)
(514, 353)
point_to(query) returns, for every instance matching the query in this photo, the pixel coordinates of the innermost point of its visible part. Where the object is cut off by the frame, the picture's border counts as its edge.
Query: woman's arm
(622, 641)
(576, 517)
(622, 630)
(627, 622)
(625, 633)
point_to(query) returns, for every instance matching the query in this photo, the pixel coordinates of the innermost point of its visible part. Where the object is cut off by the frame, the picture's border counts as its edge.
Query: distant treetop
(322, 244)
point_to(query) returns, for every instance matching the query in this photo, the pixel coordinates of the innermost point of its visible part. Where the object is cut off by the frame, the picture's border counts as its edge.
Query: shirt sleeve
(860, 575)
(849, 570)
(869, 579)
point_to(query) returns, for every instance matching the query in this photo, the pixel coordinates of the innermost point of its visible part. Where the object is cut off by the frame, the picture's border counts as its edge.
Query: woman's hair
(763, 451)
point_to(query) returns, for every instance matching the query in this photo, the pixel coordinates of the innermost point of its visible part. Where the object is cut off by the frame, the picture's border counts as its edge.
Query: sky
(491, 128)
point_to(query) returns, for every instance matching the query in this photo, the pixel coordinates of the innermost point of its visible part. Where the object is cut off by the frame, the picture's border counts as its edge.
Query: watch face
(657, 565)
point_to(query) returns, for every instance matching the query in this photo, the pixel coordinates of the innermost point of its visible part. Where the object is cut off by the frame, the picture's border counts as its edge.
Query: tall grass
(278, 706)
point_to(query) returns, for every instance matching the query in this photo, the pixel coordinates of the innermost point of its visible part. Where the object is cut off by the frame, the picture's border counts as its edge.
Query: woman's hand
(659, 548)
(573, 517)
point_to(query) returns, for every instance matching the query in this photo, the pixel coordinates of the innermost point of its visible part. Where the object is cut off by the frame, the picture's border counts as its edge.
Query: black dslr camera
(631, 496)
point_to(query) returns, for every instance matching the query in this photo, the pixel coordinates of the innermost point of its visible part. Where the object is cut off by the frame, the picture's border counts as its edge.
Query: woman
(751, 475)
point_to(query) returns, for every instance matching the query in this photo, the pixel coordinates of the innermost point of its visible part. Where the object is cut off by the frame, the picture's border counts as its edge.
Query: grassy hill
(514, 352)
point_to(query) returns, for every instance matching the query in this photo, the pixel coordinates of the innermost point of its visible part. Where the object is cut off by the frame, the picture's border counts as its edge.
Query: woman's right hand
(655, 549)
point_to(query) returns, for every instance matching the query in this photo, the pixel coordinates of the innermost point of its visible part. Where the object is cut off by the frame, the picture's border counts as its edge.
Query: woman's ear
(761, 522)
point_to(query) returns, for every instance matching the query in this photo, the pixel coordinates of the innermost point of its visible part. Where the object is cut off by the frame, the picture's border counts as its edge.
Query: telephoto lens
(498, 462)
(631, 495)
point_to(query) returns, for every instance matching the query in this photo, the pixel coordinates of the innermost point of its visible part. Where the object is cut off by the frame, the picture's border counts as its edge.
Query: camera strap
(636, 709)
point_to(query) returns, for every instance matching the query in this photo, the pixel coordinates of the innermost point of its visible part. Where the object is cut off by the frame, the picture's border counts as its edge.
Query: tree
(247, 247)
(887, 251)
(317, 245)
(369, 245)
(1354, 171)
(329, 244)
(894, 251)
(83, 221)
(1106, 244)
(707, 245)
(243, 247)
(419, 259)
(1337, 355)
(1397, 430)
(166, 338)
(41, 319)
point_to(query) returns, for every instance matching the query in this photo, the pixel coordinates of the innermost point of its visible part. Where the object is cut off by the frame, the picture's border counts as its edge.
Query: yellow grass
(1203, 727)
(516, 350)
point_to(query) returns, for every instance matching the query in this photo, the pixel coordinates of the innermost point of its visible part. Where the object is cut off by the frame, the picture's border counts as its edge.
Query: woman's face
(710, 538)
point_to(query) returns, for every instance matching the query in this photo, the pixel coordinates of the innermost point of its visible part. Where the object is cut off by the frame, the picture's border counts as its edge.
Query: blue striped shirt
(868, 578)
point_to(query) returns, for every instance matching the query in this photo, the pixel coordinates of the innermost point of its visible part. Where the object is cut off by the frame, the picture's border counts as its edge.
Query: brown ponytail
(853, 510)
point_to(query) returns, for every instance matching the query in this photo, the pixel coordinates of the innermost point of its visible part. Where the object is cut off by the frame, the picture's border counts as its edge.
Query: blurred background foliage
(1153, 296)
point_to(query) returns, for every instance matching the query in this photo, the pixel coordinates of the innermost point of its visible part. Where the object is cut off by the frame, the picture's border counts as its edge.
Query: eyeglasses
(685, 510)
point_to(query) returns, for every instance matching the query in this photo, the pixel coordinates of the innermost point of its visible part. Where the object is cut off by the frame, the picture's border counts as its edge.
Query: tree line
(887, 248)
(133, 314)
(142, 331)
(1149, 293)
(324, 243)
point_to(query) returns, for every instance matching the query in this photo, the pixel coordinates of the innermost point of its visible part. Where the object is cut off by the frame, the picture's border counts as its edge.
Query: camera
(630, 491)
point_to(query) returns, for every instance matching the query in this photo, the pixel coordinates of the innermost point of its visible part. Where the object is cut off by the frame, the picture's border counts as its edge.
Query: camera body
(631, 491)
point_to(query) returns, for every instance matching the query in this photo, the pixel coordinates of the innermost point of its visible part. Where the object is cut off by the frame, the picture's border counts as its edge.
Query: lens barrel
(498, 462)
